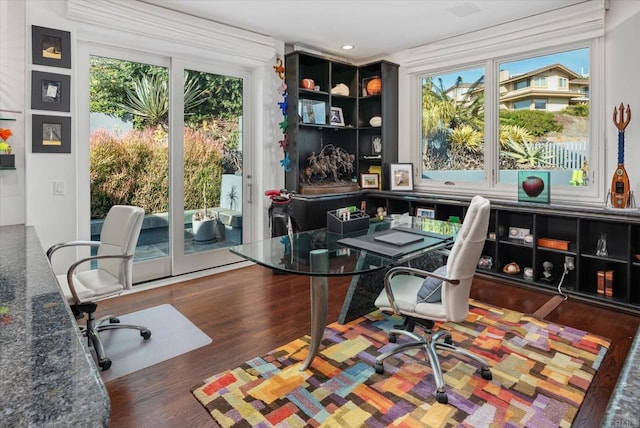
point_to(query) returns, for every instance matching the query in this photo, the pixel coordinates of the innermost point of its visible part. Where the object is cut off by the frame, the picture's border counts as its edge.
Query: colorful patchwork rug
(541, 372)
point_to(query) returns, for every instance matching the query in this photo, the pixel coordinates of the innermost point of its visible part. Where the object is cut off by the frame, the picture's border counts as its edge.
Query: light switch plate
(58, 188)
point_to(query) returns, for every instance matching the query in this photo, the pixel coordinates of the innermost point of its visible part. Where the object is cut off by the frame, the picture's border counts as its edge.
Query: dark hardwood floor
(250, 311)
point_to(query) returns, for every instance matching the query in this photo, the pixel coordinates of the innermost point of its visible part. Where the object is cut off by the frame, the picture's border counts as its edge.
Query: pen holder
(358, 220)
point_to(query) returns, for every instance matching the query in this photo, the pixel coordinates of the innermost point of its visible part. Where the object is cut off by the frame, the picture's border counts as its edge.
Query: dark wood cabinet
(311, 126)
(577, 230)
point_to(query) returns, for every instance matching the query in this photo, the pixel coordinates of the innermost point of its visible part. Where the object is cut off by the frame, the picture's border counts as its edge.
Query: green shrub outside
(537, 122)
(132, 169)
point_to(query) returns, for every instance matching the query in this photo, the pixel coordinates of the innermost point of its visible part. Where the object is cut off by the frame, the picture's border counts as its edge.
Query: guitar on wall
(620, 192)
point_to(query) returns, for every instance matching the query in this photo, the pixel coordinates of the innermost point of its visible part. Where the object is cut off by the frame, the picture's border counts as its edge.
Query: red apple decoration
(533, 186)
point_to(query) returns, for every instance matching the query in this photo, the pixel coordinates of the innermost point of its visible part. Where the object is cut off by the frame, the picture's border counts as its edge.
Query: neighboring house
(550, 88)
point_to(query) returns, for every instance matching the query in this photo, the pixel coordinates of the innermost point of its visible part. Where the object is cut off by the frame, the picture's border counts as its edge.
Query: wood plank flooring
(248, 312)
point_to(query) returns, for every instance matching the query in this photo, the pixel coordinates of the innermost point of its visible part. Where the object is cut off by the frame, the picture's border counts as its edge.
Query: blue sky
(576, 60)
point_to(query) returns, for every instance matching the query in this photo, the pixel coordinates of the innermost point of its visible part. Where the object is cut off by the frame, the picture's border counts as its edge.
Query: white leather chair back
(120, 232)
(463, 259)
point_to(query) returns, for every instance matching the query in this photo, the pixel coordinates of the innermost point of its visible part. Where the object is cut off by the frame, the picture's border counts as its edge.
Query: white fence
(569, 155)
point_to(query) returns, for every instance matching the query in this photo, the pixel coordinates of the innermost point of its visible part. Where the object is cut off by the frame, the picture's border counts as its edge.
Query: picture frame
(312, 112)
(50, 134)
(425, 212)
(50, 47)
(401, 176)
(370, 181)
(376, 145)
(533, 186)
(336, 117)
(50, 91)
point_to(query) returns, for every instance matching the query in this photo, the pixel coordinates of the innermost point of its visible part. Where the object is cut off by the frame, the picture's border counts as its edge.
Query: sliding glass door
(167, 135)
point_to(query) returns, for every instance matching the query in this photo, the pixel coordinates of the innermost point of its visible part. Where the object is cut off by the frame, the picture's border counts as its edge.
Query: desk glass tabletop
(349, 254)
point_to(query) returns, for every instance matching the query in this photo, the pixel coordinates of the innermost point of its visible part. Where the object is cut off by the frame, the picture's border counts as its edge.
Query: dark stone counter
(623, 409)
(47, 375)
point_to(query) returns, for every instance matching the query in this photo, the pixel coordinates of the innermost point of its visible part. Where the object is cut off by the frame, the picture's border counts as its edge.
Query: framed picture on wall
(401, 176)
(369, 181)
(50, 91)
(50, 47)
(50, 134)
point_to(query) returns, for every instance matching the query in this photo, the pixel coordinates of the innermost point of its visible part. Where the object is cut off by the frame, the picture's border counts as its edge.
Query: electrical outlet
(569, 263)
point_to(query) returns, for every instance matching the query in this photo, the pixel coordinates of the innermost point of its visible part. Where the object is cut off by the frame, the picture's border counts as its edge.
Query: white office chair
(114, 259)
(402, 285)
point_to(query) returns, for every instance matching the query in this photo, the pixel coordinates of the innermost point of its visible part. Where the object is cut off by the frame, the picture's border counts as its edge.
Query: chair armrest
(74, 267)
(56, 247)
(413, 271)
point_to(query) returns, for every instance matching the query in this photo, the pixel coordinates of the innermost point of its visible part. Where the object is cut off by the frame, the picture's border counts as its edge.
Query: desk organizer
(358, 220)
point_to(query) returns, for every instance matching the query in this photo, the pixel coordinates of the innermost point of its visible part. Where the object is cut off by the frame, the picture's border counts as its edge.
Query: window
(563, 82)
(553, 136)
(537, 133)
(519, 105)
(521, 84)
(540, 82)
(540, 104)
(453, 125)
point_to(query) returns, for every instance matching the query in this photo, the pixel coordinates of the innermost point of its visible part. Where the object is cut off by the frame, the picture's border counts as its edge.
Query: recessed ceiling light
(347, 47)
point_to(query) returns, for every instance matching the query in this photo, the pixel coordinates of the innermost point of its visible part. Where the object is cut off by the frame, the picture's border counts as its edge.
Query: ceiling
(377, 28)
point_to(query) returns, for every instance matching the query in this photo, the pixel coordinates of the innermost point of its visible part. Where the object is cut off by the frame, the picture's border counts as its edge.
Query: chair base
(93, 328)
(431, 343)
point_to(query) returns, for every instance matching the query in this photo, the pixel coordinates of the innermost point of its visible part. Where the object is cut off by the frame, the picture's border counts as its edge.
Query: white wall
(12, 93)
(26, 195)
(623, 85)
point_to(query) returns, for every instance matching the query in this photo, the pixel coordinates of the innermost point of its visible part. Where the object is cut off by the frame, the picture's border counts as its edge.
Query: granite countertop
(623, 410)
(47, 376)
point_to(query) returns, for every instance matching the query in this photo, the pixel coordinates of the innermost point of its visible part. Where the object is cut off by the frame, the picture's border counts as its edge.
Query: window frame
(587, 195)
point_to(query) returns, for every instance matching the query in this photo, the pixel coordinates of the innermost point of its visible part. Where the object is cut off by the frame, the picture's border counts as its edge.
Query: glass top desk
(320, 254)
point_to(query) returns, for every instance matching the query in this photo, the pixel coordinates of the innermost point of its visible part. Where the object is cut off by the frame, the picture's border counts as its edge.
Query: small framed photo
(533, 186)
(376, 144)
(50, 47)
(50, 91)
(425, 212)
(401, 176)
(311, 111)
(336, 117)
(50, 134)
(370, 181)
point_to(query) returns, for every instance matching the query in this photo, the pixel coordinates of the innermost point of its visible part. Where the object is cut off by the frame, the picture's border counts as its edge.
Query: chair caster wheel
(146, 334)
(486, 374)
(441, 397)
(105, 365)
(114, 320)
(393, 338)
(379, 368)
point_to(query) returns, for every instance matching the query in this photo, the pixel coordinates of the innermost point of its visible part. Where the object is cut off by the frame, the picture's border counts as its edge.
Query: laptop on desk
(374, 244)
(399, 238)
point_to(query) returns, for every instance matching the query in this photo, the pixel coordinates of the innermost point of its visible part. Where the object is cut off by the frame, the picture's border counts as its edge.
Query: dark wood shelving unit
(581, 228)
(357, 107)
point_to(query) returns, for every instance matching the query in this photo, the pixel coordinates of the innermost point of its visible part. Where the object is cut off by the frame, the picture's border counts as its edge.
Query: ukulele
(620, 192)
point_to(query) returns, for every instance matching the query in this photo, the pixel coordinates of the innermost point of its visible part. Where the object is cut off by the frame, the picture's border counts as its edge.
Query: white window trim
(576, 27)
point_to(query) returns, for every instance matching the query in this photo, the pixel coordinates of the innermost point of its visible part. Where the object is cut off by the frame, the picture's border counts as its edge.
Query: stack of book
(605, 282)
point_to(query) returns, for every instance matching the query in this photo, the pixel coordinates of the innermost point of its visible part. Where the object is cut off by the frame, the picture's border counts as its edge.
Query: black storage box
(358, 220)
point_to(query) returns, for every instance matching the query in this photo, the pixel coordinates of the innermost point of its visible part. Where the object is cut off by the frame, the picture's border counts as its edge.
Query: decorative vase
(374, 86)
(533, 186)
